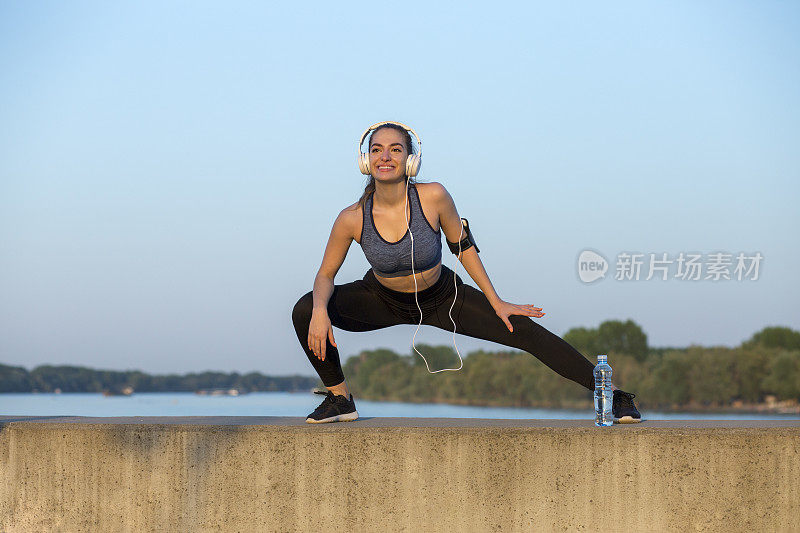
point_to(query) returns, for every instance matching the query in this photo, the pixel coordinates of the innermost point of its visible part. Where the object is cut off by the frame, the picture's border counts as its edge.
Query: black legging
(366, 305)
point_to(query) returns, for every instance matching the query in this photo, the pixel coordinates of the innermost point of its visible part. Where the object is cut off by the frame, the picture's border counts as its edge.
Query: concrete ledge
(280, 474)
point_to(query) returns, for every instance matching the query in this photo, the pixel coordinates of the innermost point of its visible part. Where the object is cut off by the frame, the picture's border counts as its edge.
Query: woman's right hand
(319, 331)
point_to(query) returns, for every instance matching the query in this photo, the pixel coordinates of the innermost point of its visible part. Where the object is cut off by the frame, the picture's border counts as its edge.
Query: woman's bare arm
(451, 226)
(320, 328)
(335, 253)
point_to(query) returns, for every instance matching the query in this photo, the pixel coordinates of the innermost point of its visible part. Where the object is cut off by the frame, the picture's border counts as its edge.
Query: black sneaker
(334, 408)
(623, 409)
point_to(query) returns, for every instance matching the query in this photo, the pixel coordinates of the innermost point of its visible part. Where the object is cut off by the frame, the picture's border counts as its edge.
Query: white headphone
(413, 161)
(413, 164)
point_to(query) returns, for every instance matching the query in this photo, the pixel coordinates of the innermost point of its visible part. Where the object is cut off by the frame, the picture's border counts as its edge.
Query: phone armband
(466, 243)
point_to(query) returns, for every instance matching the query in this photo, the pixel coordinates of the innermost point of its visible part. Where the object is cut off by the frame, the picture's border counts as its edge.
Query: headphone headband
(379, 124)
(414, 161)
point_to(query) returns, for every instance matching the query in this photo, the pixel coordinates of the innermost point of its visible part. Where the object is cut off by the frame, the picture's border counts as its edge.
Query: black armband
(466, 243)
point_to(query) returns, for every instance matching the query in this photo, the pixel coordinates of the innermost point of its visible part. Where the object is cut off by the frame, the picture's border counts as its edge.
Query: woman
(397, 291)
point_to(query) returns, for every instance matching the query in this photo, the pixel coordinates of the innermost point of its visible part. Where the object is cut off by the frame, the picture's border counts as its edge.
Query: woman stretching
(394, 214)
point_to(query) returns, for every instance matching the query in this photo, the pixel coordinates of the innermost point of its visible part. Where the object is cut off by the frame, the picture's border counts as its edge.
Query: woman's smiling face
(387, 154)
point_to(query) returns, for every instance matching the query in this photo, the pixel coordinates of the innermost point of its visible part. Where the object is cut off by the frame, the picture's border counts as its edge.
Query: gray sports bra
(393, 259)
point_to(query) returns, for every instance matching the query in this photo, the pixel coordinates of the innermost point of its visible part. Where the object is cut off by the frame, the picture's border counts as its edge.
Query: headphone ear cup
(363, 163)
(413, 162)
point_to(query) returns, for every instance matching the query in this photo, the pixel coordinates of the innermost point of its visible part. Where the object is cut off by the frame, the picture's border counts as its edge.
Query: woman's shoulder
(352, 217)
(429, 186)
(351, 211)
(432, 191)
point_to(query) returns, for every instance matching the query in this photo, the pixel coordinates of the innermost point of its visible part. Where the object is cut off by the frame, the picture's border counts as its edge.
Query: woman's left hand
(505, 310)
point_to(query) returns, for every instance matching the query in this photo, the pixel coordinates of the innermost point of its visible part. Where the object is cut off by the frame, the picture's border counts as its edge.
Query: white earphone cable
(416, 298)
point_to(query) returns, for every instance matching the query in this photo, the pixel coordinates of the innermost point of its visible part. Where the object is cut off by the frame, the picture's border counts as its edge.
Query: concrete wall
(279, 474)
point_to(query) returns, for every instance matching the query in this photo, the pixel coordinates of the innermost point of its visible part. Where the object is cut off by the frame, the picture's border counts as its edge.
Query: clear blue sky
(169, 172)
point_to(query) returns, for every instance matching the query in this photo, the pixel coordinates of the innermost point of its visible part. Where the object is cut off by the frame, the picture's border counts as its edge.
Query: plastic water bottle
(602, 393)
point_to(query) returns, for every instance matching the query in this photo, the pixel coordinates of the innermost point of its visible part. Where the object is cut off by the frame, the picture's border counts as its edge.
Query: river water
(290, 404)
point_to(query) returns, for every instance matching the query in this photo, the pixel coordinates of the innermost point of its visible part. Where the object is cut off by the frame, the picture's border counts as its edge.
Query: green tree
(775, 337)
(711, 376)
(47, 378)
(359, 369)
(438, 357)
(14, 379)
(750, 368)
(783, 379)
(667, 384)
(584, 340)
(625, 337)
(611, 336)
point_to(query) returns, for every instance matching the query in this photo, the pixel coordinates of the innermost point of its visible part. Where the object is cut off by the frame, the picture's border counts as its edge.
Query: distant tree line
(767, 365)
(48, 378)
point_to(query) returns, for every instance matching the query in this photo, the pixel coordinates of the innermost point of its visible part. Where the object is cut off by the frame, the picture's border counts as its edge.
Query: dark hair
(409, 148)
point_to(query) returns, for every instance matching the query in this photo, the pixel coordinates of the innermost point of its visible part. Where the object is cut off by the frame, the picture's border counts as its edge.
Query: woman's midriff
(425, 280)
